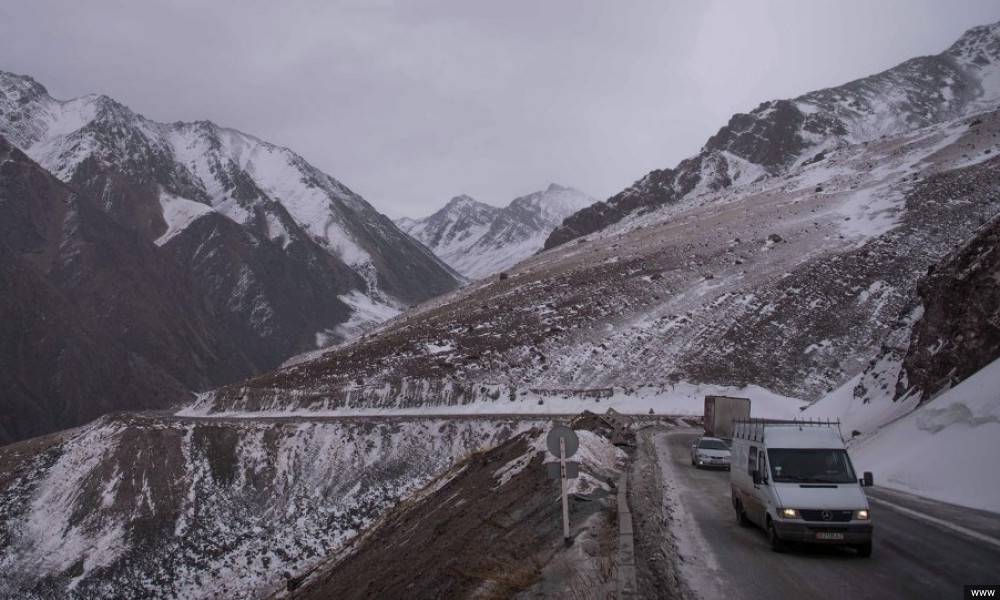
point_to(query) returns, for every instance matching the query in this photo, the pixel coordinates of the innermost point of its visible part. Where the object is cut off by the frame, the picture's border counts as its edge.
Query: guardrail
(627, 587)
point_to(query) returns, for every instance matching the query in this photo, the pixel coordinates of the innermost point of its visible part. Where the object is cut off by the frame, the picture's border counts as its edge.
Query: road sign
(563, 432)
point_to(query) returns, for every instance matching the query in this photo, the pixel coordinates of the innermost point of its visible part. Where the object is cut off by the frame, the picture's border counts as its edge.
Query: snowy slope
(945, 449)
(149, 507)
(781, 135)
(791, 284)
(477, 239)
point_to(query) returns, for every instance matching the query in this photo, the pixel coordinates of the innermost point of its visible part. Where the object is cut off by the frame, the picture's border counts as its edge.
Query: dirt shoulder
(656, 558)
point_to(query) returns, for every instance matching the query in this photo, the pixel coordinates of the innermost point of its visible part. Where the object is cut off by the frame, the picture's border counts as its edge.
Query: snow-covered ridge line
(238, 175)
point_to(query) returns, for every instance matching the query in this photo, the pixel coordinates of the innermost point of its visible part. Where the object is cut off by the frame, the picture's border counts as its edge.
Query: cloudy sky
(411, 102)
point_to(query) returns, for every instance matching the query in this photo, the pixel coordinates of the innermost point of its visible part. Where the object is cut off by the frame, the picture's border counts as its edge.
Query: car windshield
(712, 445)
(810, 465)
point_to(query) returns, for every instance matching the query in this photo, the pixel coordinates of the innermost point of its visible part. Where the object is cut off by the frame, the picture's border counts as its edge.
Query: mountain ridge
(781, 134)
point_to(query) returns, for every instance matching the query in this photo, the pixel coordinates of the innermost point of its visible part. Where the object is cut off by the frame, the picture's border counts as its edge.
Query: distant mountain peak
(463, 200)
(979, 45)
(477, 239)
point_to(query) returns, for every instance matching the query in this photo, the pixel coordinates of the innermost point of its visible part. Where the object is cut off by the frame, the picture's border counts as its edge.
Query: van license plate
(829, 535)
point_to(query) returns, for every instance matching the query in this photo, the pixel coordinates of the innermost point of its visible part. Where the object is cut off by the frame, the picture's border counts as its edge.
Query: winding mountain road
(922, 549)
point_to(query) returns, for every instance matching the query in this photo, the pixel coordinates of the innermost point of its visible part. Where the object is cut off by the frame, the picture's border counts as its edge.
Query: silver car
(710, 452)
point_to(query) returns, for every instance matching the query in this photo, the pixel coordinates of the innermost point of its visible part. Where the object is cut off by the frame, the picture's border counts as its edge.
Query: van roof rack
(753, 429)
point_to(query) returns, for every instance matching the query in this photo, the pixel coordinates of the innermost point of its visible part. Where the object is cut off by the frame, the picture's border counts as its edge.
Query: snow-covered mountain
(789, 279)
(477, 239)
(160, 178)
(275, 256)
(781, 135)
(865, 277)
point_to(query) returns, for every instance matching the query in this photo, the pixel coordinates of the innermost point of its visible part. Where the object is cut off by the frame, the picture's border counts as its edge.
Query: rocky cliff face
(95, 318)
(779, 135)
(477, 239)
(958, 332)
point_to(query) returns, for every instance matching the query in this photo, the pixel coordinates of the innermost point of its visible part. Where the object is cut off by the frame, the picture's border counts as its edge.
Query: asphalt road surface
(922, 549)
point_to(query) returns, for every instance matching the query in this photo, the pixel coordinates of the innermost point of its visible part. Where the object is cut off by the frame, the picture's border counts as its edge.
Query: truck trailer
(720, 412)
(795, 480)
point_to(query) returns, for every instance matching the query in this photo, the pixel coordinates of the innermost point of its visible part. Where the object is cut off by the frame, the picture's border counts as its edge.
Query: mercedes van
(795, 480)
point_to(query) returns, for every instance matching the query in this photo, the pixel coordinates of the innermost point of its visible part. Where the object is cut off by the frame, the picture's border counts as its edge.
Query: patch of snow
(367, 313)
(439, 348)
(179, 213)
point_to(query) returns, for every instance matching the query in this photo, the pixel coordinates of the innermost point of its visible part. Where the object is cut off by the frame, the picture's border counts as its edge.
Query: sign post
(563, 443)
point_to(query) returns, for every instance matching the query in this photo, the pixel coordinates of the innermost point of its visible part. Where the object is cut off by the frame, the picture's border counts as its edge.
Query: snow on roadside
(945, 449)
(680, 399)
(598, 459)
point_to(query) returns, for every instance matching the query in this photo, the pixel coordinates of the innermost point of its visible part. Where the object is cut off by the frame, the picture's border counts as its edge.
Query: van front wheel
(777, 544)
(864, 550)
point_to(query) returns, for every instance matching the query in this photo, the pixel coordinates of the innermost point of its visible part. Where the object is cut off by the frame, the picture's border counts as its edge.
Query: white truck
(796, 481)
(720, 411)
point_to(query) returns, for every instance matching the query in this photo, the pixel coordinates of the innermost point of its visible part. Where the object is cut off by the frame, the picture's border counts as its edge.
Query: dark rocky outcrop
(959, 332)
(94, 319)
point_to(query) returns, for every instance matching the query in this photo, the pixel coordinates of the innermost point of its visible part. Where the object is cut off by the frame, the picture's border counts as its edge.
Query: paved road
(917, 552)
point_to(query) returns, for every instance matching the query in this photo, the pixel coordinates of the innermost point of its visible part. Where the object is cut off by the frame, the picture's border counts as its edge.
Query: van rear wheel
(741, 515)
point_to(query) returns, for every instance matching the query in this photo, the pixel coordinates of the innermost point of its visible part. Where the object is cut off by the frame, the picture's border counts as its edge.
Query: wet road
(922, 549)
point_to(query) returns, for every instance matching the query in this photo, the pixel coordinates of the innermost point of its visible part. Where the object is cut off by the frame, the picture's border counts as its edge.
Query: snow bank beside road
(945, 450)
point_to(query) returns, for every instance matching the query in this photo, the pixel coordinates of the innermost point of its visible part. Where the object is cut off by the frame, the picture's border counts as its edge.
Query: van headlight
(789, 513)
(861, 515)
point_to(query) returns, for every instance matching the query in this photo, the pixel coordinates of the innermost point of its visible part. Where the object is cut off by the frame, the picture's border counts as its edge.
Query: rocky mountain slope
(261, 253)
(491, 528)
(477, 239)
(160, 507)
(781, 135)
(949, 332)
(94, 318)
(791, 284)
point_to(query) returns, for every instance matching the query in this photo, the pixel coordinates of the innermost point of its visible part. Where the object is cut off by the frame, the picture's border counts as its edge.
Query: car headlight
(861, 515)
(789, 513)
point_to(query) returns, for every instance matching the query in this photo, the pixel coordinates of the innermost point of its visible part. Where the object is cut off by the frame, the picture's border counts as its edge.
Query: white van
(796, 481)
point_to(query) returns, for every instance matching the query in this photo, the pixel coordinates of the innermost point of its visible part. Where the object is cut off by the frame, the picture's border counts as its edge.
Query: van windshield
(810, 465)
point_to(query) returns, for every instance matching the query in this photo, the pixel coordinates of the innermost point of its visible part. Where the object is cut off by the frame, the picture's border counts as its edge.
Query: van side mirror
(867, 480)
(756, 477)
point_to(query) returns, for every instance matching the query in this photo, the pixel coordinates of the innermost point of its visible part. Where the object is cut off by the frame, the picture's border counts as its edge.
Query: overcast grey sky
(412, 102)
